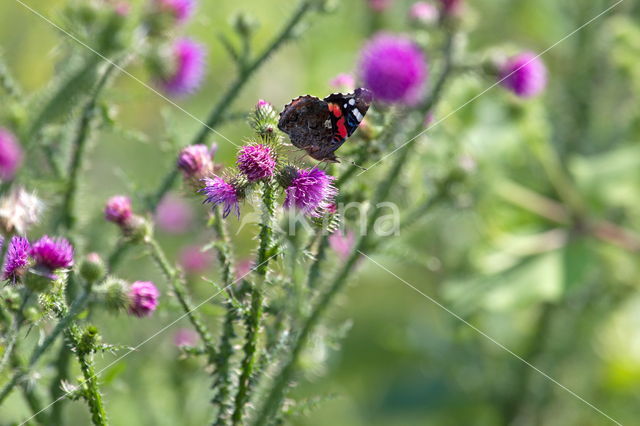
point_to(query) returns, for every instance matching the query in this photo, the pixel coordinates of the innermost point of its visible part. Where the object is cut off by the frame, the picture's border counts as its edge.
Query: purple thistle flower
(143, 297)
(311, 192)
(195, 161)
(219, 191)
(118, 209)
(188, 69)
(52, 253)
(524, 74)
(17, 260)
(342, 243)
(393, 68)
(256, 162)
(181, 9)
(10, 155)
(174, 214)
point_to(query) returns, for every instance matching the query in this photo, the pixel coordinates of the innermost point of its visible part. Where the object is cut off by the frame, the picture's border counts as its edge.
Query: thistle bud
(92, 268)
(115, 295)
(264, 119)
(137, 229)
(244, 24)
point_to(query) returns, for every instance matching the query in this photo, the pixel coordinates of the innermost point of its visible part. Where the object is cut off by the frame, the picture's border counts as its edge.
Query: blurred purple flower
(524, 74)
(194, 260)
(218, 191)
(118, 209)
(379, 5)
(343, 81)
(342, 243)
(143, 298)
(311, 192)
(10, 155)
(423, 12)
(51, 254)
(450, 7)
(174, 214)
(181, 9)
(256, 162)
(393, 68)
(188, 70)
(185, 337)
(17, 259)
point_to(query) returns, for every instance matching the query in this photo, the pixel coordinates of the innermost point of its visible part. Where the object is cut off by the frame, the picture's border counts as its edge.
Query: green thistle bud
(138, 229)
(264, 120)
(115, 295)
(92, 268)
(244, 24)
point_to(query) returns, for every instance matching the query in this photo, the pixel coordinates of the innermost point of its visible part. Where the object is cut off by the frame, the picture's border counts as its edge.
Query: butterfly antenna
(364, 169)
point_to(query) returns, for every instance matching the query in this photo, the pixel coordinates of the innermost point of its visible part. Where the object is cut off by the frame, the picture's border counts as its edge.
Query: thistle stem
(257, 302)
(177, 284)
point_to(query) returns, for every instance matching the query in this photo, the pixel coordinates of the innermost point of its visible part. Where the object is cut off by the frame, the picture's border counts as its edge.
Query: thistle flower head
(143, 298)
(185, 337)
(182, 10)
(393, 68)
(52, 253)
(188, 68)
(10, 155)
(264, 119)
(524, 74)
(195, 161)
(423, 12)
(17, 258)
(118, 209)
(173, 215)
(310, 191)
(19, 210)
(220, 192)
(256, 162)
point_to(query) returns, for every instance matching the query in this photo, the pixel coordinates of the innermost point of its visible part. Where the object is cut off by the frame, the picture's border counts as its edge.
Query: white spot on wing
(356, 113)
(352, 101)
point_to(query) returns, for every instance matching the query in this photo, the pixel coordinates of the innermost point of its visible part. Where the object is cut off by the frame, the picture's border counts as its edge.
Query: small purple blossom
(185, 337)
(342, 243)
(193, 260)
(218, 191)
(256, 162)
(118, 209)
(181, 9)
(423, 12)
(393, 68)
(174, 214)
(263, 104)
(524, 74)
(143, 297)
(311, 192)
(52, 253)
(17, 260)
(188, 70)
(343, 81)
(195, 161)
(10, 155)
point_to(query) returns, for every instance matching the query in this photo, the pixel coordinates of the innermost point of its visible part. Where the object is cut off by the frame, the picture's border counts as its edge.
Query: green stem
(217, 114)
(257, 302)
(222, 383)
(75, 309)
(84, 348)
(177, 284)
(8, 83)
(79, 148)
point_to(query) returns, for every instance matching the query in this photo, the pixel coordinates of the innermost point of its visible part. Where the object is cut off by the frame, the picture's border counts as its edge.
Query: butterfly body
(321, 126)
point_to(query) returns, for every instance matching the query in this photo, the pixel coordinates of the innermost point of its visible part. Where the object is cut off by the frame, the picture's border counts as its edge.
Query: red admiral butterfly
(320, 127)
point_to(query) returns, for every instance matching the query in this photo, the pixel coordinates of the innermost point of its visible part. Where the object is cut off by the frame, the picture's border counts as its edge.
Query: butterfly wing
(348, 111)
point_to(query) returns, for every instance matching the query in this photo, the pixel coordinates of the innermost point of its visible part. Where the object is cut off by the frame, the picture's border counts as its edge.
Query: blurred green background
(562, 298)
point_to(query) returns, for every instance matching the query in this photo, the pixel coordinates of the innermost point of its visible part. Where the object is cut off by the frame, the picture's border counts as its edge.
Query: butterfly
(321, 126)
